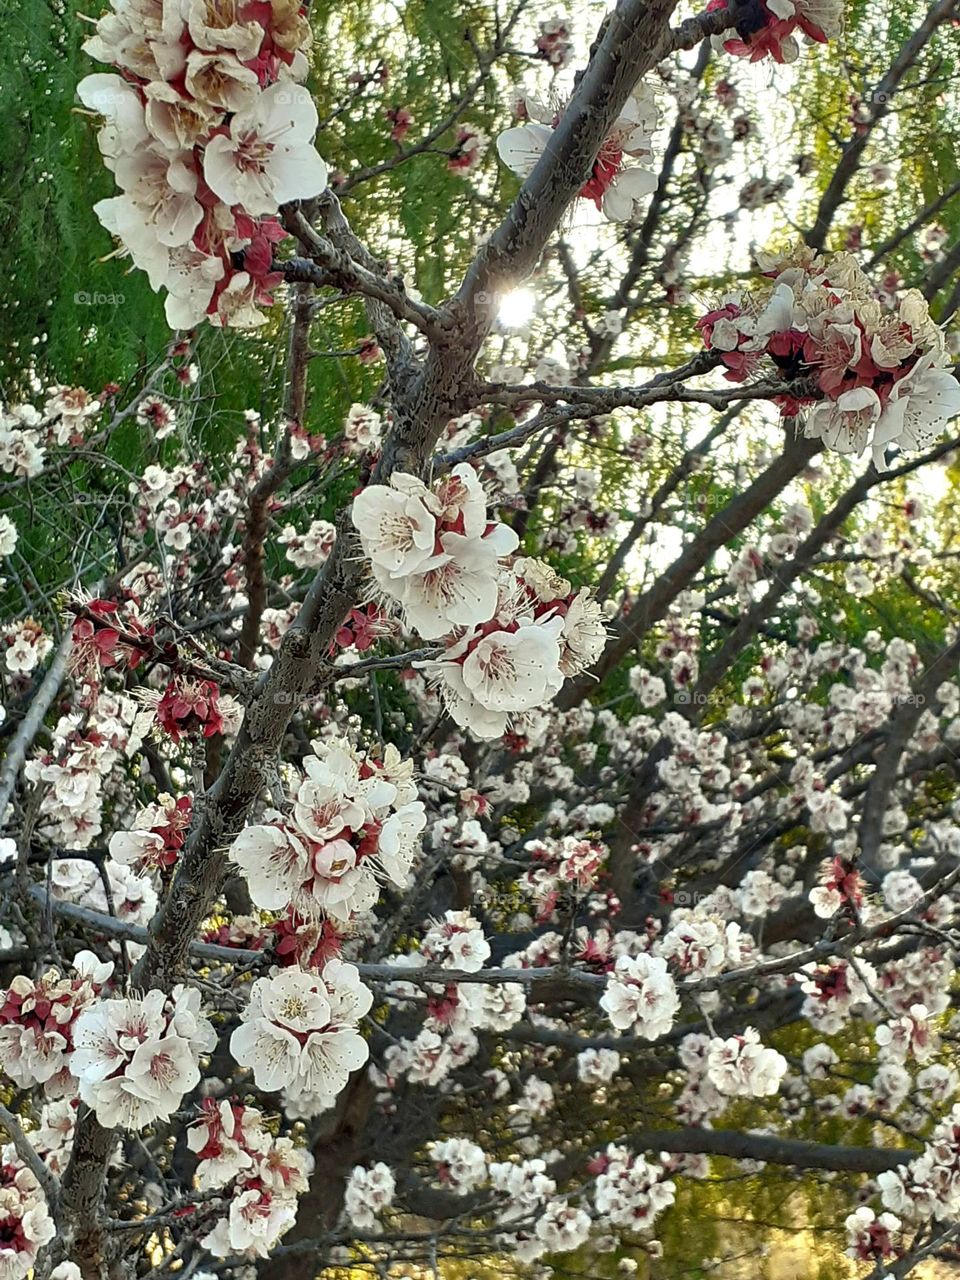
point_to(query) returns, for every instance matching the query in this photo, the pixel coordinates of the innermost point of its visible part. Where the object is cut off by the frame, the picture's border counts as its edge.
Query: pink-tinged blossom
(615, 185)
(362, 430)
(871, 1237)
(772, 33)
(25, 1221)
(841, 889)
(38, 1022)
(461, 1166)
(136, 1058)
(554, 45)
(469, 149)
(908, 1037)
(401, 122)
(597, 1066)
(354, 820)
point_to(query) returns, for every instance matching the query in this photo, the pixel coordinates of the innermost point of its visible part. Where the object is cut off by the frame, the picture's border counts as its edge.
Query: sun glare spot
(516, 308)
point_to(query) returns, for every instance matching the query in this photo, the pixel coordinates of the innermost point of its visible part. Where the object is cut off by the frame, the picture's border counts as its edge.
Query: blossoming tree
(482, 802)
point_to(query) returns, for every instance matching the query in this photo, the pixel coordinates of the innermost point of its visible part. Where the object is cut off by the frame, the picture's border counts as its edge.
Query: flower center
(294, 1007)
(607, 165)
(496, 663)
(252, 153)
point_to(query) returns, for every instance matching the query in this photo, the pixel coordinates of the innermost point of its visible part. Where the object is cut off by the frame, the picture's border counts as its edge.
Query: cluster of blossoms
(53, 1138)
(136, 1058)
(106, 636)
(361, 629)
(514, 632)
(460, 1164)
(630, 1191)
(207, 132)
(113, 889)
(541, 633)
(158, 834)
(456, 942)
(188, 707)
(183, 506)
(26, 432)
(720, 1071)
(597, 1066)
(928, 1187)
(771, 33)
(833, 992)
(362, 430)
(641, 996)
(367, 1194)
(264, 1175)
(25, 1221)
(25, 644)
(299, 1033)
(22, 452)
(311, 549)
(558, 867)
(559, 1228)
(615, 186)
(38, 1021)
(85, 748)
(433, 551)
(427, 1059)
(881, 371)
(699, 942)
(462, 1168)
(456, 1011)
(841, 888)
(742, 1067)
(354, 819)
(908, 1037)
(526, 1191)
